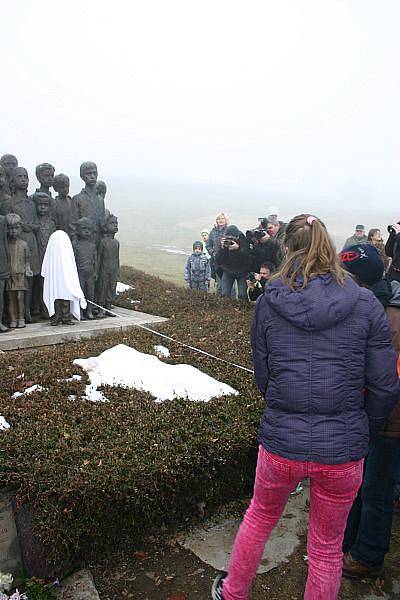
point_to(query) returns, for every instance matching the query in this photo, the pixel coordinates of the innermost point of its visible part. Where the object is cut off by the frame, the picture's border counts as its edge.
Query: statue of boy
(17, 284)
(45, 176)
(24, 206)
(4, 267)
(63, 203)
(108, 264)
(47, 226)
(9, 162)
(86, 261)
(87, 203)
(5, 197)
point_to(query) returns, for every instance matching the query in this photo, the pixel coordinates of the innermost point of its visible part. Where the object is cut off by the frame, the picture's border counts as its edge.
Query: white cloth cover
(61, 279)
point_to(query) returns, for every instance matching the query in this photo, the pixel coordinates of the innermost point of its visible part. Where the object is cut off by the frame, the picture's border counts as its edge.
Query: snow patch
(3, 424)
(34, 388)
(162, 352)
(124, 366)
(123, 287)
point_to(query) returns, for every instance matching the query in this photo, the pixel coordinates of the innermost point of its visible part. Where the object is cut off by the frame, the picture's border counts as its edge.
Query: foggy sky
(296, 94)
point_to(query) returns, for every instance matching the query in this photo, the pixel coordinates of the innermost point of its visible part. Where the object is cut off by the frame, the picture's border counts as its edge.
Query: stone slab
(44, 334)
(10, 554)
(213, 543)
(79, 586)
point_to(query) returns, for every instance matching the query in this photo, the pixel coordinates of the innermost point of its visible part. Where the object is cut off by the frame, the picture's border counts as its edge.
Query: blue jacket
(197, 269)
(324, 360)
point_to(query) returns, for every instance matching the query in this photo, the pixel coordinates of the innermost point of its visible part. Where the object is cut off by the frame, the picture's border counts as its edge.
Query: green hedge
(94, 472)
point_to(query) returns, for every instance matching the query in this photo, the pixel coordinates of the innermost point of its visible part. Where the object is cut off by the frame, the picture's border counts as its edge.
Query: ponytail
(310, 251)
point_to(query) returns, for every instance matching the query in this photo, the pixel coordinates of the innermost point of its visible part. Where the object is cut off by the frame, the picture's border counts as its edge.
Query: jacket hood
(320, 305)
(233, 231)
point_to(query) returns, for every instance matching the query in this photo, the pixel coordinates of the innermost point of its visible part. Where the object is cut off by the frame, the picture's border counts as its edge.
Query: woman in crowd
(324, 360)
(214, 243)
(234, 258)
(375, 239)
(392, 249)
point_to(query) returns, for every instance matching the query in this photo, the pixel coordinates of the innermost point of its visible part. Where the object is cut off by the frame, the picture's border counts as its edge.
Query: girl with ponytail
(324, 362)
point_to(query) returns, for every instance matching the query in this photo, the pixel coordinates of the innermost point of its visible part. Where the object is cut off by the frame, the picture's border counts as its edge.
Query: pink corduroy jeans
(332, 488)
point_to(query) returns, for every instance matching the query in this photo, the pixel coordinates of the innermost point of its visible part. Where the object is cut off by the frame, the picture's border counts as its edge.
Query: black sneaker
(216, 590)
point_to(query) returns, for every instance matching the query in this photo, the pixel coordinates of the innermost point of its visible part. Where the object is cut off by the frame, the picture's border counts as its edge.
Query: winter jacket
(214, 240)
(271, 251)
(324, 361)
(197, 269)
(235, 262)
(392, 428)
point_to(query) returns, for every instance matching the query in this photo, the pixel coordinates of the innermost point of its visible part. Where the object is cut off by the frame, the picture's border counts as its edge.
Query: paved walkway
(43, 334)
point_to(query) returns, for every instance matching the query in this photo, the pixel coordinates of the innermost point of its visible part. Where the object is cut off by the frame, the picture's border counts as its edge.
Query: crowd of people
(326, 346)
(240, 264)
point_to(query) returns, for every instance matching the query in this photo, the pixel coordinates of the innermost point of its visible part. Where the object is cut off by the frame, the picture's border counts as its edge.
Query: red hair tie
(310, 220)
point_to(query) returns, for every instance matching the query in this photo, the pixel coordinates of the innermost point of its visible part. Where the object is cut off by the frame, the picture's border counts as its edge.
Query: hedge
(97, 471)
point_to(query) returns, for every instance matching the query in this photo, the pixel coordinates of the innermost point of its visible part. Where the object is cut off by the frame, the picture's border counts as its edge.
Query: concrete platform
(43, 334)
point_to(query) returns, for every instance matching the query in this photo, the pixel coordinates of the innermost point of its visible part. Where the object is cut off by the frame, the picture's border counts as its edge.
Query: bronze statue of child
(86, 261)
(17, 283)
(45, 176)
(63, 203)
(108, 264)
(47, 226)
(4, 267)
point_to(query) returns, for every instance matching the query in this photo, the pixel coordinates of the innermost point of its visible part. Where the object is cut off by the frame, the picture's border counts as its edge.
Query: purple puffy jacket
(324, 360)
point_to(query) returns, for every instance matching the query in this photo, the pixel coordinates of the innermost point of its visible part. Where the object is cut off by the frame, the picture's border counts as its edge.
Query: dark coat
(235, 262)
(392, 249)
(324, 361)
(271, 251)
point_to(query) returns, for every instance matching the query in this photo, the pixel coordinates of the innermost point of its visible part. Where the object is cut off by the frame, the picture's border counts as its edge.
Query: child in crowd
(86, 261)
(20, 271)
(47, 226)
(197, 269)
(108, 260)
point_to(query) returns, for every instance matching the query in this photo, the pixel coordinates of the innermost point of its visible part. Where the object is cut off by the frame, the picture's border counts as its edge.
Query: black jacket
(235, 262)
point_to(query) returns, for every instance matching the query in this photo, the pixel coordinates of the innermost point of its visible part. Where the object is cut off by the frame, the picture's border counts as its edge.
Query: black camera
(391, 229)
(229, 241)
(251, 277)
(255, 235)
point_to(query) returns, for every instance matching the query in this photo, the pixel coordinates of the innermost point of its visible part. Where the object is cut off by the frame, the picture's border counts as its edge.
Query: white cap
(273, 211)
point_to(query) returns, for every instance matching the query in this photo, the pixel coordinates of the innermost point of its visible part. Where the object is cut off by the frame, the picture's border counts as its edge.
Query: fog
(192, 107)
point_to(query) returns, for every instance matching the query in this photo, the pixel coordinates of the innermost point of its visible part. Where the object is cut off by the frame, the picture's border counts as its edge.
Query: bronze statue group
(26, 225)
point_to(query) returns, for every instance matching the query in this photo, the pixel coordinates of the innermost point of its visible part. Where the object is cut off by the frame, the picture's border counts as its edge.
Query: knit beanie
(198, 244)
(363, 261)
(232, 231)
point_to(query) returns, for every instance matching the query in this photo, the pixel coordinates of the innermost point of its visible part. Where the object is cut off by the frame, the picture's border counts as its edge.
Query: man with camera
(392, 249)
(233, 258)
(256, 281)
(264, 247)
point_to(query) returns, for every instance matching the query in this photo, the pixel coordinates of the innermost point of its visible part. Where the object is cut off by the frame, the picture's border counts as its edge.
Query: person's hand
(396, 227)
(257, 276)
(265, 238)
(250, 284)
(233, 246)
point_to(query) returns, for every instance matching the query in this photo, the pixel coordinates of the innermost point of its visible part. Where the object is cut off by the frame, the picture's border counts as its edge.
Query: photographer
(264, 248)
(233, 258)
(392, 249)
(256, 281)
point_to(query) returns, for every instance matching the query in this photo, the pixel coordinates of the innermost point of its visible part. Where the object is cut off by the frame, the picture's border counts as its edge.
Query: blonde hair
(222, 215)
(310, 251)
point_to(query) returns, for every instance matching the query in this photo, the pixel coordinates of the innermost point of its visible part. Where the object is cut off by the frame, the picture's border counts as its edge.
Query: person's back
(324, 362)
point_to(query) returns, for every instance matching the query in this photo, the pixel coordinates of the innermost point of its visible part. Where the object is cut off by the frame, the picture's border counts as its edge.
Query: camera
(255, 235)
(391, 229)
(263, 222)
(251, 277)
(229, 241)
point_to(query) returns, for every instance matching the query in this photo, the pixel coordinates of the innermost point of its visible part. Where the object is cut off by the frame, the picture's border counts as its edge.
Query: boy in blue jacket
(197, 269)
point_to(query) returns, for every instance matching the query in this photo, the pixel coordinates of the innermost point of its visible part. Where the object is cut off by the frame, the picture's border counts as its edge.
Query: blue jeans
(228, 281)
(369, 525)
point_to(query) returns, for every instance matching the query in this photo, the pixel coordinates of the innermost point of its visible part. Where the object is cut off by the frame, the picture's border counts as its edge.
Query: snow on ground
(123, 287)
(29, 390)
(125, 366)
(3, 424)
(162, 352)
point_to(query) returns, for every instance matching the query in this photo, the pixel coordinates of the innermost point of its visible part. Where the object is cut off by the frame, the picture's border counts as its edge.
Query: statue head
(20, 178)
(111, 224)
(84, 228)
(45, 174)
(42, 202)
(61, 184)
(14, 226)
(88, 172)
(101, 188)
(9, 162)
